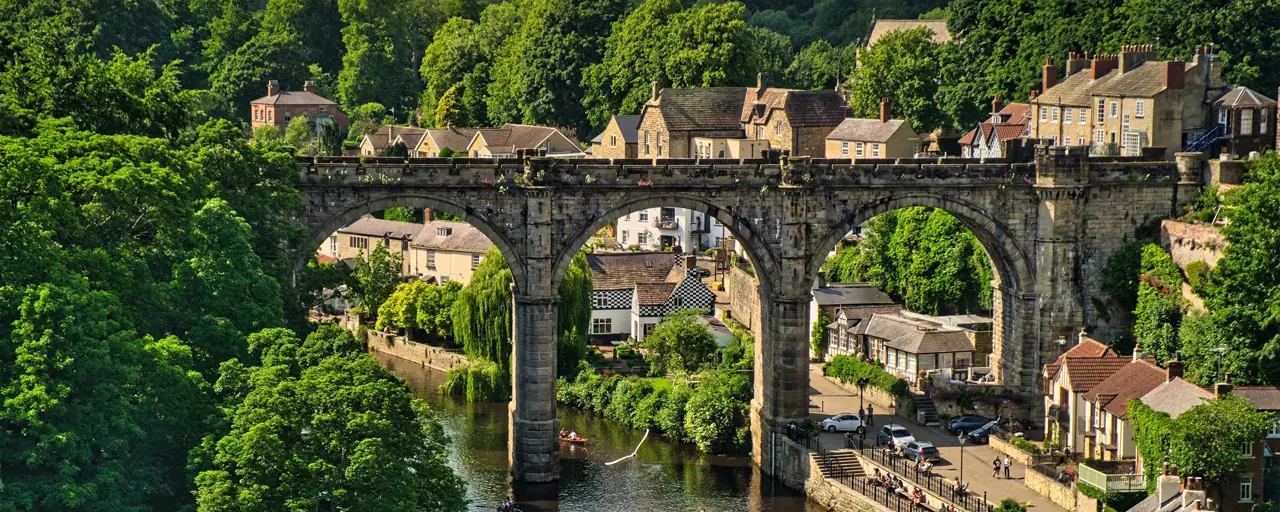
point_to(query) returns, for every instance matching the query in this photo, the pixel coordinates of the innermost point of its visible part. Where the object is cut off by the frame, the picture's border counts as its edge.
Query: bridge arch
(515, 259)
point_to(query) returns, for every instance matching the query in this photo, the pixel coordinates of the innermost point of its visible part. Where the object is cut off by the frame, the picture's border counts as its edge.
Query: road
(827, 399)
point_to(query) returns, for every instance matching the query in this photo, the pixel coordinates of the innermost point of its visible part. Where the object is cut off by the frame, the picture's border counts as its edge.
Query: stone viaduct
(1048, 226)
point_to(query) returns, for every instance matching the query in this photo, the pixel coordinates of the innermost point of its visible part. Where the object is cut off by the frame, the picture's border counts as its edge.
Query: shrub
(849, 369)
(1197, 275)
(670, 416)
(480, 381)
(1025, 445)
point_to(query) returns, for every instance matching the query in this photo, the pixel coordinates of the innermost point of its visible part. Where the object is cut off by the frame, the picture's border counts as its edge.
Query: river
(664, 475)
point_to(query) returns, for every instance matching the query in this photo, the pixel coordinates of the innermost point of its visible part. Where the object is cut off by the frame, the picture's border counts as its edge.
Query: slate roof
(385, 136)
(849, 294)
(866, 130)
(703, 108)
(1264, 398)
(1244, 97)
(456, 139)
(815, 108)
(369, 226)
(1075, 90)
(512, 137)
(1176, 397)
(622, 271)
(1145, 80)
(294, 98)
(628, 126)
(881, 27)
(654, 294)
(918, 336)
(463, 237)
(1133, 380)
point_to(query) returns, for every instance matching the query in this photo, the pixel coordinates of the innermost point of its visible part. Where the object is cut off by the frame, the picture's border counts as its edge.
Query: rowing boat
(580, 440)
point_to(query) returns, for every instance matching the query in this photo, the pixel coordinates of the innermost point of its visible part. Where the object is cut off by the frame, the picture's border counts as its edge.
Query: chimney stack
(1076, 62)
(428, 215)
(1223, 388)
(654, 96)
(996, 105)
(885, 109)
(1101, 65)
(1175, 74)
(309, 86)
(1035, 93)
(760, 81)
(1084, 335)
(690, 262)
(1173, 369)
(1048, 75)
(1137, 353)
(273, 87)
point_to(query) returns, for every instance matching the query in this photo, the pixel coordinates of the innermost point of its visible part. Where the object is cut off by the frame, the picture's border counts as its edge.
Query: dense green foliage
(818, 334)
(711, 415)
(479, 381)
(904, 67)
(924, 257)
(375, 277)
(1205, 440)
(849, 369)
(739, 355)
(422, 306)
(679, 344)
(1159, 311)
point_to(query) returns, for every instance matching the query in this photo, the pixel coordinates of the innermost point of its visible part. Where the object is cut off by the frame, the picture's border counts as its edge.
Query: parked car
(963, 424)
(896, 433)
(844, 422)
(921, 450)
(980, 435)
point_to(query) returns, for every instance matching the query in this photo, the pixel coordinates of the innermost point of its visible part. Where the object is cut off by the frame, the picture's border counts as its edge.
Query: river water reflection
(663, 476)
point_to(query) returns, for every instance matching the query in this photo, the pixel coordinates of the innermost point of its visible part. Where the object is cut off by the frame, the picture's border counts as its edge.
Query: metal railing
(1052, 471)
(1111, 483)
(889, 499)
(906, 468)
(806, 439)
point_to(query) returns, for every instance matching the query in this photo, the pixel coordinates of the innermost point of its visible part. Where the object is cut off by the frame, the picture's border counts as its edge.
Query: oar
(633, 454)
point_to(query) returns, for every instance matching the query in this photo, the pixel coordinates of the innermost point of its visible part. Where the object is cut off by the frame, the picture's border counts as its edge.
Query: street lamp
(962, 459)
(1220, 349)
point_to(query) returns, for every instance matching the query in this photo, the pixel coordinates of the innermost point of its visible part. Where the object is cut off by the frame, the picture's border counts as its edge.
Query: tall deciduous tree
(904, 67)
(679, 343)
(375, 277)
(482, 312)
(377, 65)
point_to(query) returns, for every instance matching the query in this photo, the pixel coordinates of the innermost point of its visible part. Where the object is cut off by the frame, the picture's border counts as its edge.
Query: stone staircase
(838, 463)
(925, 405)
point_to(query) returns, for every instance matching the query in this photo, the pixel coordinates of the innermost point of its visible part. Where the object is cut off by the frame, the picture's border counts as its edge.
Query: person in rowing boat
(573, 436)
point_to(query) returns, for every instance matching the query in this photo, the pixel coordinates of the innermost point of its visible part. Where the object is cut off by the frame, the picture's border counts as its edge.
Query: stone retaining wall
(1002, 446)
(1187, 243)
(797, 469)
(1062, 494)
(426, 355)
(881, 398)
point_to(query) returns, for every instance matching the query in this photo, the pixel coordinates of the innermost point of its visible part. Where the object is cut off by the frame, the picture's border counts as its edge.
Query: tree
(1159, 310)
(449, 111)
(267, 133)
(821, 66)
(401, 214)
(375, 277)
(902, 66)
(718, 404)
(574, 312)
(679, 344)
(366, 119)
(298, 132)
(377, 66)
(482, 312)
(818, 334)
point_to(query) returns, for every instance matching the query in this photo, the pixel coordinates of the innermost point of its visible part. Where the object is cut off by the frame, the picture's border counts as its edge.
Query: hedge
(849, 369)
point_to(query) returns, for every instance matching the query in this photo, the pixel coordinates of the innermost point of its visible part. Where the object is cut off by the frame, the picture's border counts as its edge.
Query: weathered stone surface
(1048, 226)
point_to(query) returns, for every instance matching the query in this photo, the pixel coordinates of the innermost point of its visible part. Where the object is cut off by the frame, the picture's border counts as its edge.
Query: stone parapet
(1187, 243)
(1064, 495)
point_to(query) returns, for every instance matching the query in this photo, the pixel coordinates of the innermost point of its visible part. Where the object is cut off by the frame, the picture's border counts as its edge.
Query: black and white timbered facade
(633, 291)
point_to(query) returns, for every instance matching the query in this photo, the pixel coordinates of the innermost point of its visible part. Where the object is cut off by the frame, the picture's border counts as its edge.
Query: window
(324, 109)
(1124, 123)
(599, 301)
(444, 279)
(333, 244)
(1246, 489)
(1262, 123)
(444, 231)
(644, 216)
(1275, 429)
(613, 141)
(358, 242)
(269, 115)
(1115, 109)
(659, 143)
(601, 325)
(844, 148)
(646, 142)
(1084, 115)
(648, 329)
(1246, 121)
(858, 149)
(1053, 141)
(431, 259)
(1079, 141)
(759, 132)
(1054, 118)
(624, 236)
(777, 128)
(475, 261)
(677, 302)
(642, 238)
(1066, 116)
(1044, 114)
(1246, 450)
(1140, 109)
(288, 117)
(875, 150)
(1222, 116)
(1102, 105)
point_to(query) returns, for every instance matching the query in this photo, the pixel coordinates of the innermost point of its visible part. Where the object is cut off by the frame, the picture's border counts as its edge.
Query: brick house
(1066, 380)
(1248, 121)
(1007, 124)
(618, 140)
(873, 138)
(279, 107)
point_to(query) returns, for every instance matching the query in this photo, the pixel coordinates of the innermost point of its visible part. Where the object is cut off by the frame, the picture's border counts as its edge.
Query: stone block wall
(1063, 495)
(426, 355)
(1188, 243)
(744, 299)
(1002, 446)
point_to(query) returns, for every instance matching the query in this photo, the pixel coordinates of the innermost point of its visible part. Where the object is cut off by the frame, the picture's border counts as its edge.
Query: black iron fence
(890, 499)
(804, 438)
(907, 468)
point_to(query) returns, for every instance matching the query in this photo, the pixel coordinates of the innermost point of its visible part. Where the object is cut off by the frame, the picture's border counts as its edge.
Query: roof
(1085, 373)
(654, 294)
(867, 130)
(462, 237)
(629, 126)
(1016, 113)
(512, 137)
(703, 108)
(847, 294)
(968, 137)
(1133, 380)
(387, 134)
(1089, 348)
(881, 27)
(456, 139)
(325, 258)
(1175, 397)
(293, 98)
(918, 336)
(1075, 90)
(804, 108)
(1144, 80)
(1244, 97)
(369, 226)
(1014, 118)
(621, 271)
(1264, 398)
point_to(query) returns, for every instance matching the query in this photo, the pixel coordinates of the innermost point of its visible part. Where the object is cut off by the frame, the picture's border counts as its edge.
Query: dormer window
(444, 231)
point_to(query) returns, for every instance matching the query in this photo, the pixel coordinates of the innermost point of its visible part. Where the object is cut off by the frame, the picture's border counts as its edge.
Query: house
(849, 306)
(796, 122)
(1247, 119)
(1173, 496)
(435, 140)
(881, 27)
(388, 136)
(668, 228)
(908, 344)
(1109, 434)
(1120, 104)
(633, 291)
(873, 138)
(506, 141)
(991, 138)
(708, 147)
(618, 140)
(279, 107)
(1066, 380)
(358, 238)
(443, 251)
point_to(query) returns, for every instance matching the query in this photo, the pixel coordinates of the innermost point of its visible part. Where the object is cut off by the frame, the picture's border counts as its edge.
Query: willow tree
(482, 312)
(574, 314)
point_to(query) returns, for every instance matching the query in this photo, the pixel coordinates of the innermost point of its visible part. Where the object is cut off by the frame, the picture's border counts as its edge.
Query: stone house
(794, 121)
(908, 344)
(435, 140)
(506, 141)
(1247, 119)
(360, 237)
(873, 138)
(377, 143)
(1006, 125)
(279, 107)
(849, 306)
(618, 140)
(633, 291)
(1109, 433)
(881, 27)
(443, 251)
(1120, 104)
(1066, 380)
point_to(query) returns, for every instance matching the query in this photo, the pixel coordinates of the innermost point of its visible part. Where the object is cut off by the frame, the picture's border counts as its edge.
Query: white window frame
(333, 244)
(1114, 108)
(1044, 114)
(644, 216)
(475, 261)
(1246, 489)
(642, 238)
(431, 260)
(646, 142)
(1262, 124)
(1102, 110)
(1053, 117)
(1066, 116)
(859, 149)
(613, 141)
(1246, 121)
(1275, 429)
(358, 242)
(1222, 116)
(624, 236)
(601, 326)
(844, 148)
(1084, 116)
(1079, 141)
(875, 150)
(1140, 109)
(599, 301)
(1246, 450)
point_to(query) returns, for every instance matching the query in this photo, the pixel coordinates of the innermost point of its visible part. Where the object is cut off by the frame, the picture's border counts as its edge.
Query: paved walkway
(827, 399)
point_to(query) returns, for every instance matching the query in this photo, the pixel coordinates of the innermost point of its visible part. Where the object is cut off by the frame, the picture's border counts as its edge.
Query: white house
(658, 229)
(908, 343)
(1074, 373)
(633, 291)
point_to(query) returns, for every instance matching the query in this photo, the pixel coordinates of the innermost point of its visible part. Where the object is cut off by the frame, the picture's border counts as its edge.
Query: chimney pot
(1137, 352)
(1173, 369)
(690, 262)
(1084, 335)
(309, 86)
(428, 215)
(760, 80)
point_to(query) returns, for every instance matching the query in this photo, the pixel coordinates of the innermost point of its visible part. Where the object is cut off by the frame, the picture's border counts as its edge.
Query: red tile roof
(1087, 372)
(1132, 381)
(1087, 348)
(325, 258)
(968, 137)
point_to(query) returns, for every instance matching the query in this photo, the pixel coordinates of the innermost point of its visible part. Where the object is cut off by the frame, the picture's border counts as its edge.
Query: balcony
(1112, 475)
(666, 223)
(1061, 415)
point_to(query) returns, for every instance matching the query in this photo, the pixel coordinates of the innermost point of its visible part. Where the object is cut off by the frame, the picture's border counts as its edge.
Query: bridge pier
(533, 433)
(781, 375)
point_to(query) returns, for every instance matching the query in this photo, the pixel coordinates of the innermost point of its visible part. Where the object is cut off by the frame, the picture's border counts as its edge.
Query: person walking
(995, 468)
(871, 414)
(1007, 464)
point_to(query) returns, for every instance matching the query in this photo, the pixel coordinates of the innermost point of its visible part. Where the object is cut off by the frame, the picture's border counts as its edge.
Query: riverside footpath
(827, 398)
